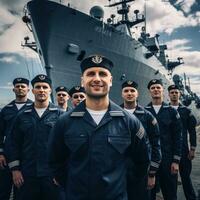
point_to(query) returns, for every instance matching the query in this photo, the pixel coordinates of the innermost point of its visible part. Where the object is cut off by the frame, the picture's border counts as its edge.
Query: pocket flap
(119, 143)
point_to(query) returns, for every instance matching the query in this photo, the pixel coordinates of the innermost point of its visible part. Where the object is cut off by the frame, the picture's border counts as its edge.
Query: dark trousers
(185, 171)
(137, 188)
(167, 182)
(38, 188)
(6, 183)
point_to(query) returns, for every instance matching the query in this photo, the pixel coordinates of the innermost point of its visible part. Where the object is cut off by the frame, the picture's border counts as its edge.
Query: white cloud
(185, 4)
(9, 59)
(165, 18)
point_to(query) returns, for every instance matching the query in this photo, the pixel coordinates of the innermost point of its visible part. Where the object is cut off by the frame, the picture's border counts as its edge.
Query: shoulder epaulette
(53, 109)
(116, 113)
(29, 104)
(77, 114)
(27, 111)
(166, 106)
(9, 105)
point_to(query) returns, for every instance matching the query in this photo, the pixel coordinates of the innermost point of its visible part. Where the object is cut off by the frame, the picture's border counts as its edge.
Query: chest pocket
(50, 122)
(165, 119)
(75, 142)
(26, 125)
(119, 143)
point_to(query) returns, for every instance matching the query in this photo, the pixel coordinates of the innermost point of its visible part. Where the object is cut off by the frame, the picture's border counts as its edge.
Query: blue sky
(176, 21)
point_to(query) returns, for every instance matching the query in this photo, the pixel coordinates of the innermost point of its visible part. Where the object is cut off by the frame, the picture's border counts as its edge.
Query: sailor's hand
(191, 154)
(2, 161)
(174, 168)
(151, 182)
(18, 179)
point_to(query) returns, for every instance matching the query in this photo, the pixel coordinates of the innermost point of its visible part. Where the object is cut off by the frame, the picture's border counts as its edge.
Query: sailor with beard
(7, 117)
(96, 139)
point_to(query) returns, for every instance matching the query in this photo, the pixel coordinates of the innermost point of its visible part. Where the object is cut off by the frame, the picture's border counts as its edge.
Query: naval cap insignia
(19, 79)
(129, 82)
(61, 88)
(97, 59)
(77, 88)
(41, 77)
(154, 81)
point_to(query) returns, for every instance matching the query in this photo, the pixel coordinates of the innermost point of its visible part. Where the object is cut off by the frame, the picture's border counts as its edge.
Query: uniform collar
(113, 111)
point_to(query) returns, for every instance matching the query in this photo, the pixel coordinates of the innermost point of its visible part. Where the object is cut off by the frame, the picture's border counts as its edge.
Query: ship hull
(64, 34)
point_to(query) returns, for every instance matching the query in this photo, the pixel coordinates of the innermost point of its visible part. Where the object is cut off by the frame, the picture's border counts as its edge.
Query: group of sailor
(97, 150)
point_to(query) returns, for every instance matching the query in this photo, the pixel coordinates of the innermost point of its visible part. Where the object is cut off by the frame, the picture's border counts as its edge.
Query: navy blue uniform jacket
(170, 132)
(29, 139)
(7, 117)
(96, 155)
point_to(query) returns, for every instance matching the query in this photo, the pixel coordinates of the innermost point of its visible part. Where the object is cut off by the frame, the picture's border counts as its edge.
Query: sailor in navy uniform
(96, 139)
(8, 115)
(62, 98)
(138, 188)
(77, 94)
(171, 140)
(188, 152)
(28, 146)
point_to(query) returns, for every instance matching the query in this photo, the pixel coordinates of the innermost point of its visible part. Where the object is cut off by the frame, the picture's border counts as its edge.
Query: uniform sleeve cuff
(14, 164)
(154, 166)
(193, 148)
(176, 159)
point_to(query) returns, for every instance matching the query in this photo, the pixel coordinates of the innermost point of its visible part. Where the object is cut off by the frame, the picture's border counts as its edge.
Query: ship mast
(123, 11)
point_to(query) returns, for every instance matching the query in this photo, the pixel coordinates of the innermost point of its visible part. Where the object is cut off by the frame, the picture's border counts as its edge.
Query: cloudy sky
(176, 21)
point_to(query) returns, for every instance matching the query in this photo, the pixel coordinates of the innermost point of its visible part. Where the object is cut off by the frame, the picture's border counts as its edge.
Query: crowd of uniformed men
(96, 150)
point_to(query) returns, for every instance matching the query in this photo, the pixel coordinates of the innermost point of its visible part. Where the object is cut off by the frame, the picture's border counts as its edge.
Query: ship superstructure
(64, 36)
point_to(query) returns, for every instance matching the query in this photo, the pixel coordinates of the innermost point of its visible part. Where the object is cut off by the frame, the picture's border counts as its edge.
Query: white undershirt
(157, 108)
(176, 107)
(130, 110)
(19, 105)
(40, 111)
(97, 115)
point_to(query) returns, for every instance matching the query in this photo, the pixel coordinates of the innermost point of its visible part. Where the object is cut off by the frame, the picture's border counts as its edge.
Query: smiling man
(28, 147)
(96, 139)
(170, 138)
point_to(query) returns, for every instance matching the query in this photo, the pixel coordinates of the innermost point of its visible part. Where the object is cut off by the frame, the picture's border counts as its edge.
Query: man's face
(41, 91)
(62, 97)
(21, 90)
(129, 94)
(174, 95)
(97, 82)
(156, 91)
(77, 98)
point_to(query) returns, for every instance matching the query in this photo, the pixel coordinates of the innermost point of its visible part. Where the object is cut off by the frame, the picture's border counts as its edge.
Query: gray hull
(57, 28)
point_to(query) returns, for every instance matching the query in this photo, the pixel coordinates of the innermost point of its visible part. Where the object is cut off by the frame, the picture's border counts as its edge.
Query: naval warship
(64, 36)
